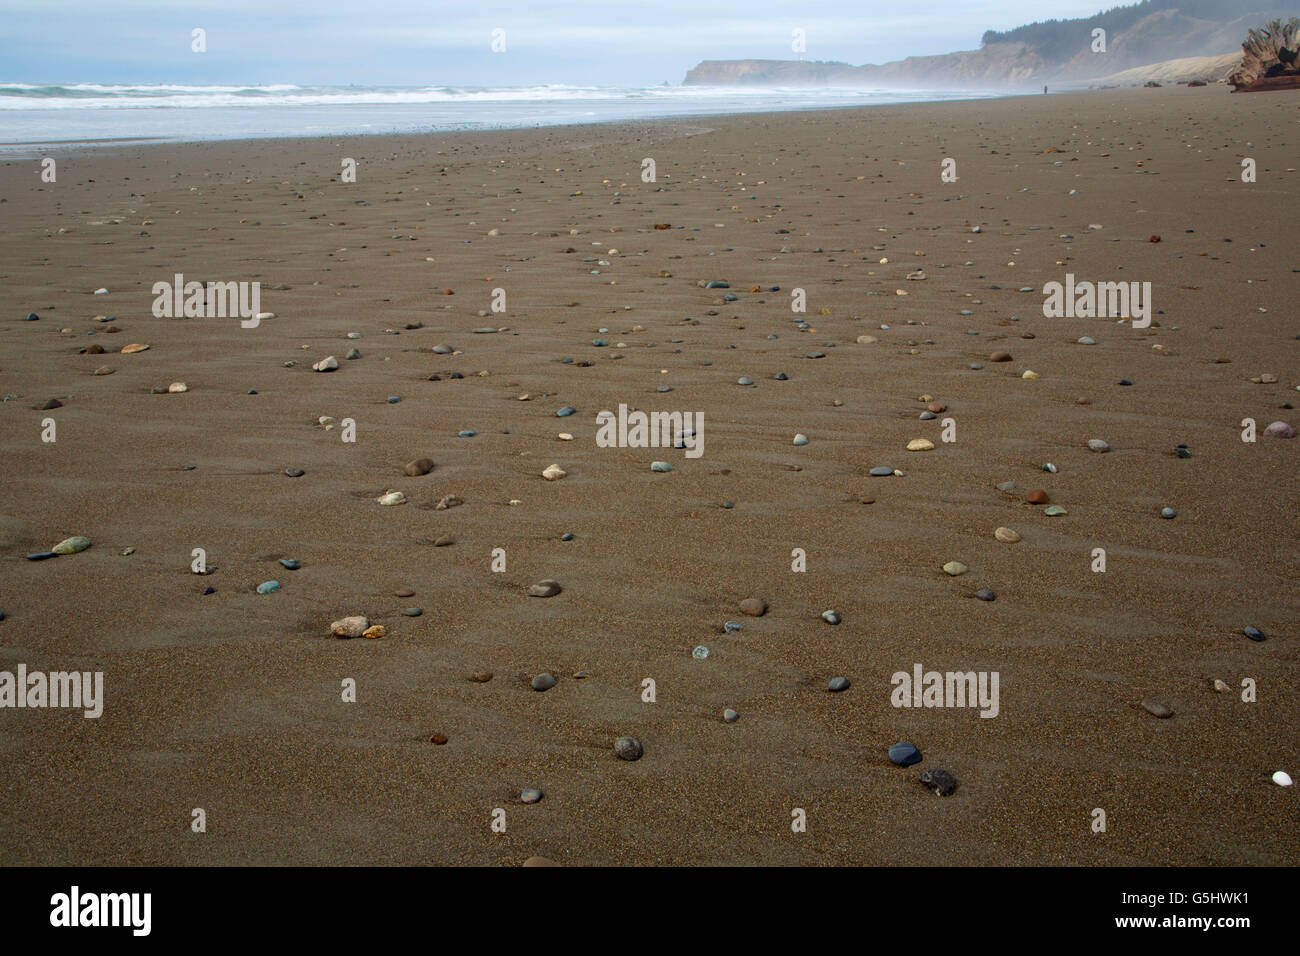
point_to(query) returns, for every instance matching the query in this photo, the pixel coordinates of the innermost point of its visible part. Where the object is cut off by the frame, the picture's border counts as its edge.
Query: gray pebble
(543, 682)
(836, 684)
(529, 795)
(628, 748)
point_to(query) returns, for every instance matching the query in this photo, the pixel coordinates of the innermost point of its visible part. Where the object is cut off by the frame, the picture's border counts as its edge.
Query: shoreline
(7, 149)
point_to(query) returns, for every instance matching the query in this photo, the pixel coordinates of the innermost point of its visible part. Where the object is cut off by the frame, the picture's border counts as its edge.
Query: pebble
(984, 594)
(394, 399)
(328, 364)
(438, 739)
(731, 627)
(1049, 468)
(754, 607)
(744, 380)
(1096, 444)
(801, 439)
(481, 676)
(375, 631)
(1006, 535)
(51, 404)
(291, 564)
(412, 611)
(294, 472)
(421, 466)
(134, 347)
(867, 340)
(543, 682)
(660, 466)
(1054, 511)
(1182, 451)
(700, 652)
(565, 412)
(466, 433)
(831, 617)
(553, 473)
(1279, 430)
(353, 354)
(781, 377)
(881, 471)
(1087, 341)
(392, 498)
(443, 541)
(41, 555)
(1157, 709)
(349, 626)
(928, 416)
(904, 754)
(1029, 374)
(567, 536)
(268, 587)
(1168, 513)
(73, 545)
(1254, 633)
(954, 568)
(730, 716)
(1282, 778)
(941, 782)
(1219, 686)
(920, 444)
(1037, 496)
(1000, 357)
(836, 684)
(529, 795)
(628, 748)
(545, 589)
(404, 592)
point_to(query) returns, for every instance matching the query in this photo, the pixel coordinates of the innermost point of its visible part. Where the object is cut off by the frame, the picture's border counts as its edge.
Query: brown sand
(231, 702)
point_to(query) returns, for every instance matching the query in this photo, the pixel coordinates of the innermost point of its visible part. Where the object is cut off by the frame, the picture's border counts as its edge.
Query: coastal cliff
(1059, 53)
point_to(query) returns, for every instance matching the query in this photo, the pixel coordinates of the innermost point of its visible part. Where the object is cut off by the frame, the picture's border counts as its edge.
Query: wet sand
(231, 702)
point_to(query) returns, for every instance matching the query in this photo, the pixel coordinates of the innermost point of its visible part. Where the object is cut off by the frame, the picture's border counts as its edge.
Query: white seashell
(1282, 778)
(392, 498)
(554, 473)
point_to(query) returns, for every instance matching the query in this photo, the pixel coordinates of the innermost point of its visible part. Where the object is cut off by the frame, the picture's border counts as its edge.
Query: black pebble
(940, 781)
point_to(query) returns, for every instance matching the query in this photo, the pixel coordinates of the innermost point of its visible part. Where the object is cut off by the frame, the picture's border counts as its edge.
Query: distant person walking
(1044, 89)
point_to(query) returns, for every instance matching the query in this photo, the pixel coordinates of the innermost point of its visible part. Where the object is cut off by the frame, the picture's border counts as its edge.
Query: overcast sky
(448, 42)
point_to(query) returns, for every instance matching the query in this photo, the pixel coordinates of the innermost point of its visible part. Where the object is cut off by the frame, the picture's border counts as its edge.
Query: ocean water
(81, 112)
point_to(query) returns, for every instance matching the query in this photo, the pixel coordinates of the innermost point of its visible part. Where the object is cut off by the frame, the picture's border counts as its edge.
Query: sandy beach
(232, 701)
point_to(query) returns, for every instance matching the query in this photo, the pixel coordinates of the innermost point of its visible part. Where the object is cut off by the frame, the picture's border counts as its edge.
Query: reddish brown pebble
(1037, 497)
(540, 860)
(438, 739)
(481, 677)
(421, 466)
(867, 500)
(937, 407)
(1000, 357)
(1155, 239)
(754, 607)
(404, 592)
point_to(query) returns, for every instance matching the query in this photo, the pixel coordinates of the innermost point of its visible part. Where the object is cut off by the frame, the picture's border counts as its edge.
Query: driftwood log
(1270, 59)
